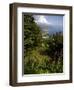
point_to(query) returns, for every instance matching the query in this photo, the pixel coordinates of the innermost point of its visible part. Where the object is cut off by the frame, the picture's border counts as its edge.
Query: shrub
(34, 62)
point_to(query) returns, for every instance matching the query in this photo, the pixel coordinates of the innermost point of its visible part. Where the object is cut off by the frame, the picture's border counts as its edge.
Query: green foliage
(32, 33)
(55, 47)
(41, 55)
(35, 63)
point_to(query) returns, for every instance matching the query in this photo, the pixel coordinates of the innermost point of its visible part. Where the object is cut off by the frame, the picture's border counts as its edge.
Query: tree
(32, 33)
(55, 50)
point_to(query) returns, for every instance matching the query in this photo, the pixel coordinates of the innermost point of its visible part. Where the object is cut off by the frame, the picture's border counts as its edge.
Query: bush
(35, 63)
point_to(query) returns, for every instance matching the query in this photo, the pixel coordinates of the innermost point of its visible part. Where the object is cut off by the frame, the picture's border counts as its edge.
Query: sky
(50, 23)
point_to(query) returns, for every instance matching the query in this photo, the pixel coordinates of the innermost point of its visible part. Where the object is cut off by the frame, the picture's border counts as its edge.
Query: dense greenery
(41, 55)
(32, 33)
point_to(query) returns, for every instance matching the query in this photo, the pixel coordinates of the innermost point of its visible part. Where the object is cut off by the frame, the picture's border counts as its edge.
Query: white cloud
(40, 19)
(42, 22)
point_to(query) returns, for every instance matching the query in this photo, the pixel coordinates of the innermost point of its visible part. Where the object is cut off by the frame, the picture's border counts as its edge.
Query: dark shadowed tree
(56, 47)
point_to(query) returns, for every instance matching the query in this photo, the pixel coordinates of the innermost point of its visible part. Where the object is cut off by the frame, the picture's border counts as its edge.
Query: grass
(36, 62)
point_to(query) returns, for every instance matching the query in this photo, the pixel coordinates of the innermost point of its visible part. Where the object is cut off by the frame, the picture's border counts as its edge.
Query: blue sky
(50, 23)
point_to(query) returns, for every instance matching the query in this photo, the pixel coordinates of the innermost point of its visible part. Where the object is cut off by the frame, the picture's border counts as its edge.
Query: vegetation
(41, 55)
